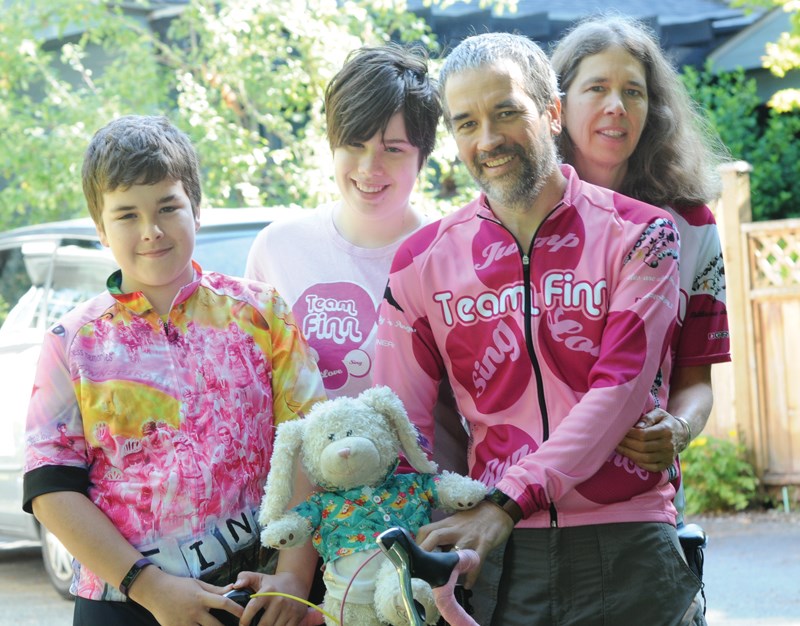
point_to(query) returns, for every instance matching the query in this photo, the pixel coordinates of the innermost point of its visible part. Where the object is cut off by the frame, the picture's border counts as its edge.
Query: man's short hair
(477, 51)
(138, 150)
(373, 85)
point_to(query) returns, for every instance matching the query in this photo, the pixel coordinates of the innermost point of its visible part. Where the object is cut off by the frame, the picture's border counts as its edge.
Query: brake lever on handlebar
(411, 561)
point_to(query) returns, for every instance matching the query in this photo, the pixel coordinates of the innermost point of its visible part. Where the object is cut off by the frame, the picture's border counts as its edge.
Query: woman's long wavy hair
(676, 160)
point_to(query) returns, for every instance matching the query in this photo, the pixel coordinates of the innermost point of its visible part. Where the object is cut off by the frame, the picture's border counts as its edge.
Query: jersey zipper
(527, 315)
(537, 371)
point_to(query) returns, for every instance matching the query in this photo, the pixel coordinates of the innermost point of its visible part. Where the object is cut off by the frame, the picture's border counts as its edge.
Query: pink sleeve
(54, 433)
(407, 358)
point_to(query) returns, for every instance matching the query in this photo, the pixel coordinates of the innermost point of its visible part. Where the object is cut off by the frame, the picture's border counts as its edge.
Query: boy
(382, 110)
(161, 525)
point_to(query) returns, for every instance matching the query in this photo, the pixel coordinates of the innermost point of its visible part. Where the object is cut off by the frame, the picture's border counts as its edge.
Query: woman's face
(604, 112)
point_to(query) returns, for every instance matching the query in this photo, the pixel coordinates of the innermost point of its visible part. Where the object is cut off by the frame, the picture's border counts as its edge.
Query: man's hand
(482, 529)
(655, 441)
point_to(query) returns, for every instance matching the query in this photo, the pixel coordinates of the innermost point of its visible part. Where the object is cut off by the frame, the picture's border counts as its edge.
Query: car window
(225, 252)
(57, 279)
(14, 279)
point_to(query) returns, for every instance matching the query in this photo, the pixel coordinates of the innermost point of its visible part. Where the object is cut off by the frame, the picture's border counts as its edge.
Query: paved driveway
(752, 569)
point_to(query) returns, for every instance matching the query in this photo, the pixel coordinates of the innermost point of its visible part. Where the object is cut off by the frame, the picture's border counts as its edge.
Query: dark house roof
(688, 29)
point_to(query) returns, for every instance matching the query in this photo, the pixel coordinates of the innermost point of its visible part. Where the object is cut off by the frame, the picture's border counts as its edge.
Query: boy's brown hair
(138, 150)
(373, 85)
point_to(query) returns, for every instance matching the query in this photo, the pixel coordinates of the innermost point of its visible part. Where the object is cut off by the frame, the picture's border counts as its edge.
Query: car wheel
(57, 563)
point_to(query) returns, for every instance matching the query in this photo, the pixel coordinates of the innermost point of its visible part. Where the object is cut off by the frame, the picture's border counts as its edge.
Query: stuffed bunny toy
(349, 448)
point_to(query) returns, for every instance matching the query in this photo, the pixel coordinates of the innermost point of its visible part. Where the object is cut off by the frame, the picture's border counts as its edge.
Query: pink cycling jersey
(167, 424)
(553, 351)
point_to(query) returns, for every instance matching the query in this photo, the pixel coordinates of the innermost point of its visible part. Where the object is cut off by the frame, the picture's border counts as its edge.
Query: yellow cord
(291, 597)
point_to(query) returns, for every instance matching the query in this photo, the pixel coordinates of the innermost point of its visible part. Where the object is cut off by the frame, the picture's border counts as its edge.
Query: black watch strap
(505, 502)
(133, 573)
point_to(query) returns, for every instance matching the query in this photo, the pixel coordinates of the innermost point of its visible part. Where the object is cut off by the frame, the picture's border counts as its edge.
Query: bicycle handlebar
(439, 569)
(452, 612)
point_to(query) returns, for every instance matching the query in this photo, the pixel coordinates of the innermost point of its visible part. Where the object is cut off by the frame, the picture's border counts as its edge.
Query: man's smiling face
(502, 138)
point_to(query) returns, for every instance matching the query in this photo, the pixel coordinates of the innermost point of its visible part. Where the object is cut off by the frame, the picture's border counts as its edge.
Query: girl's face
(604, 112)
(377, 175)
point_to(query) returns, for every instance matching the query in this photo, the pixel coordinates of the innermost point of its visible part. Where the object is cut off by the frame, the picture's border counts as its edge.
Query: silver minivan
(45, 270)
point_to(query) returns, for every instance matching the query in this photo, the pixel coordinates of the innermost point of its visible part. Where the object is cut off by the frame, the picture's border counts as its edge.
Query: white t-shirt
(333, 287)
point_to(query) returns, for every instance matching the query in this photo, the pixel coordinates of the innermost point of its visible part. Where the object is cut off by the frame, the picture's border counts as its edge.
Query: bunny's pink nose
(344, 452)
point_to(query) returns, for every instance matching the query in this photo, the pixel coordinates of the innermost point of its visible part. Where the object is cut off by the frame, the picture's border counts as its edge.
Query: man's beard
(520, 188)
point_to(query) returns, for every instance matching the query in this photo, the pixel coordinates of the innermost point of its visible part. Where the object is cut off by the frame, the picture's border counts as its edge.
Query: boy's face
(376, 176)
(151, 230)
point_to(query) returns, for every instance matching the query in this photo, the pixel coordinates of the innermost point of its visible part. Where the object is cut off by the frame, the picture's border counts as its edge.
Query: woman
(630, 125)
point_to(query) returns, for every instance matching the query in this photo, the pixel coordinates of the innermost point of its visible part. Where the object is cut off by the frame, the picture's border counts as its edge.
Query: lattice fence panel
(774, 258)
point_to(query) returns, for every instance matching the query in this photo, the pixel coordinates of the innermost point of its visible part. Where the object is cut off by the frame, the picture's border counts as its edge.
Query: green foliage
(51, 103)
(251, 89)
(717, 476)
(765, 138)
(783, 55)
(244, 79)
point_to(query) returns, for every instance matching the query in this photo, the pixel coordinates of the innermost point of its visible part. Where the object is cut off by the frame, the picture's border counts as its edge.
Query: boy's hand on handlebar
(180, 601)
(278, 610)
(482, 529)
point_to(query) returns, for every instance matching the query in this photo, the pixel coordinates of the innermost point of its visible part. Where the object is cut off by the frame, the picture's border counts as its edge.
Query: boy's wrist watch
(505, 502)
(133, 574)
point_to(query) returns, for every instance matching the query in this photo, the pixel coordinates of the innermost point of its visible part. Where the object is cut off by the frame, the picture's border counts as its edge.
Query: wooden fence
(757, 396)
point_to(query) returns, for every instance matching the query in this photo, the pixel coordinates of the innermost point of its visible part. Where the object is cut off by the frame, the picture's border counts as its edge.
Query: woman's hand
(655, 441)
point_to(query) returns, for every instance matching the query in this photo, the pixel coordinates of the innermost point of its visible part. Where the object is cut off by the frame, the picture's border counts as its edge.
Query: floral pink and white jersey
(167, 424)
(554, 350)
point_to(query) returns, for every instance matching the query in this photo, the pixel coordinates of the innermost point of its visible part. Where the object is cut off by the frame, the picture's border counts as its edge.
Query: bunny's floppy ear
(278, 490)
(385, 401)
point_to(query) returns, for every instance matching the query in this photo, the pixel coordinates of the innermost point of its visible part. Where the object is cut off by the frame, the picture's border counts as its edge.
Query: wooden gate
(757, 396)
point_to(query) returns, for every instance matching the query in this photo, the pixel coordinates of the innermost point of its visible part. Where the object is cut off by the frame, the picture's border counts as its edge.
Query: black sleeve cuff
(51, 478)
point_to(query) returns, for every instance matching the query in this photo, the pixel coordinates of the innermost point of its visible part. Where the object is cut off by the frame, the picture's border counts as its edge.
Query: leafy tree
(764, 137)
(244, 79)
(783, 55)
(51, 103)
(251, 87)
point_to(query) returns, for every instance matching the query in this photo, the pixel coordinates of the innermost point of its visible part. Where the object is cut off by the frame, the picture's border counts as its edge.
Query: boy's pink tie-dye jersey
(167, 424)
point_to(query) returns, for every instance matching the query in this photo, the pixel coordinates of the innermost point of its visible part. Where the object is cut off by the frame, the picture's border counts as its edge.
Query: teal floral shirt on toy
(349, 521)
